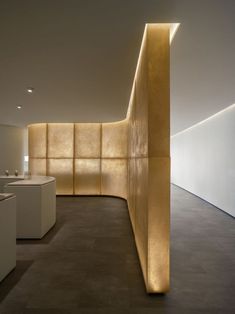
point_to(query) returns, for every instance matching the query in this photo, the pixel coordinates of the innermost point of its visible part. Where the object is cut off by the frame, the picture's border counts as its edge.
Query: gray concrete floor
(88, 262)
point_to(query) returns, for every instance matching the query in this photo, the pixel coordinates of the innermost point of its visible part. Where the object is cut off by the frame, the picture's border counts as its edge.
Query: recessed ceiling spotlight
(19, 107)
(30, 90)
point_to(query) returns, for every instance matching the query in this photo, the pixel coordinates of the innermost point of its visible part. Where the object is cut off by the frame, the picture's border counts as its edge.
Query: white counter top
(21, 180)
(4, 196)
(35, 180)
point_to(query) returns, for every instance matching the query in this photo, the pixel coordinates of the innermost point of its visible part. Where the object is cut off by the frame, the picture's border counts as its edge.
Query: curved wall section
(203, 159)
(85, 158)
(129, 159)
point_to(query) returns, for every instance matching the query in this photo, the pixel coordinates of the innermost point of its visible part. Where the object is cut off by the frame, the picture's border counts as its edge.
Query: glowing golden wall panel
(60, 140)
(158, 224)
(148, 142)
(141, 212)
(114, 177)
(62, 170)
(38, 166)
(132, 138)
(158, 90)
(37, 140)
(129, 158)
(87, 176)
(87, 140)
(141, 107)
(131, 193)
(114, 139)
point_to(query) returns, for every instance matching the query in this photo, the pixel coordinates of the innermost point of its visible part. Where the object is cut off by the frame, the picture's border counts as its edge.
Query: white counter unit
(36, 206)
(7, 179)
(7, 234)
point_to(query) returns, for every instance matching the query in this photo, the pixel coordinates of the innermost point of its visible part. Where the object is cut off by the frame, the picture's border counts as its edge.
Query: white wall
(203, 159)
(11, 149)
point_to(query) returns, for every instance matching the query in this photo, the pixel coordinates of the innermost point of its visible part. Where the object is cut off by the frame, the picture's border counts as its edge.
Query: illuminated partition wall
(129, 159)
(149, 161)
(85, 158)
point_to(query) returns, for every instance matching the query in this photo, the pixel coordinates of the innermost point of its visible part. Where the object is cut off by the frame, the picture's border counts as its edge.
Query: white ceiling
(80, 56)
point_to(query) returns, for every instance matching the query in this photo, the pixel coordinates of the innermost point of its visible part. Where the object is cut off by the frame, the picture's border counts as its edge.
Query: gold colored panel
(158, 224)
(131, 190)
(60, 140)
(159, 90)
(114, 177)
(132, 127)
(87, 176)
(37, 140)
(141, 106)
(87, 140)
(62, 170)
(149, 178)
(114, 139)
(141, 211)
(37, 166)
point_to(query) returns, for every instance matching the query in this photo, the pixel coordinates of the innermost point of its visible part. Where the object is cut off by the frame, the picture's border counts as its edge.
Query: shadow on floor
(14, 277)
(47, 237)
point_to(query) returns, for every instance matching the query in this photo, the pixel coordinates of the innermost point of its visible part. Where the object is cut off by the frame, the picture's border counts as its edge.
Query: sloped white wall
(203, 160)
(11, 149)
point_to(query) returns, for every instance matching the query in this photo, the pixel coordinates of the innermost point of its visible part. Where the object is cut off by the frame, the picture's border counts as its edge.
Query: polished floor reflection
(88, 262)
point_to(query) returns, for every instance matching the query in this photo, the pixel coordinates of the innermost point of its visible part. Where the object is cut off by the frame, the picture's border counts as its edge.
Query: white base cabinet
(7, 234)
(36, 206)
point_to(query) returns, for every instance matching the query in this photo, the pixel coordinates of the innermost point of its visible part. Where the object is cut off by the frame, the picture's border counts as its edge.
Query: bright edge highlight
(205, 120)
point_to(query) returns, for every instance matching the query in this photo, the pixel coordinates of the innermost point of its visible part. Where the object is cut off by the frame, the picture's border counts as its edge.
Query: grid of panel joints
(76, 154)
